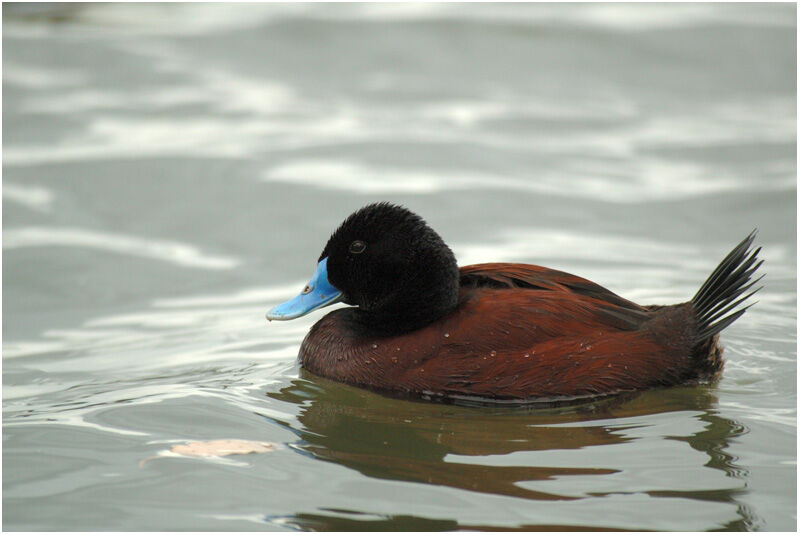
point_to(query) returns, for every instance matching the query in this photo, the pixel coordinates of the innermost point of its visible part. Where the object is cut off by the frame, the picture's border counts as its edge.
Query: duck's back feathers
(610, 308)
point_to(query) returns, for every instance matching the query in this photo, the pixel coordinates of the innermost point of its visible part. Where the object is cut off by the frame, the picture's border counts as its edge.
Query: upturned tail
(717, 303)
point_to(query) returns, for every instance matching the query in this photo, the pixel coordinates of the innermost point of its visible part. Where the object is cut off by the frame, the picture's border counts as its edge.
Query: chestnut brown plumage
(422, 327)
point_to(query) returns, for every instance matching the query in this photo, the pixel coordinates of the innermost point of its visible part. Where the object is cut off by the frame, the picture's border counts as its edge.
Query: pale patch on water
(648, 17)
(257, 518)
(214, 450)
(627, 17)
(357, 177)
(37, 77)
(77, 100)
(11, 392)
(648, 179)
(109, 137)
(729, 121)
(199, 137)
(167, 251)
(33, 197)
(543, 106)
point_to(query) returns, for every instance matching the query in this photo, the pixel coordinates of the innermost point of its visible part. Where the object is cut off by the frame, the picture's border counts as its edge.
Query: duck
(420, 326)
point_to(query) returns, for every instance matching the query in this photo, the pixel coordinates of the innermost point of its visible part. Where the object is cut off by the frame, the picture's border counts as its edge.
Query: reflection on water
(496, 450)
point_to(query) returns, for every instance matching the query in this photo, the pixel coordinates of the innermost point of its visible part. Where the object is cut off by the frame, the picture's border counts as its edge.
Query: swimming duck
(419, 325)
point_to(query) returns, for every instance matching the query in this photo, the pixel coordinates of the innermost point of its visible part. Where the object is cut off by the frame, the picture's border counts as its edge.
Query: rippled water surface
(172, 171)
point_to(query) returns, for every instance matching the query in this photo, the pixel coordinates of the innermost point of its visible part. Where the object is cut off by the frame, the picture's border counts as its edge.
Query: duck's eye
(307, 289)
(357, 247)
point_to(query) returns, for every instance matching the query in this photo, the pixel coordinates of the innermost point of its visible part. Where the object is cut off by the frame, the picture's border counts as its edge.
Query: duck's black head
(388, 262)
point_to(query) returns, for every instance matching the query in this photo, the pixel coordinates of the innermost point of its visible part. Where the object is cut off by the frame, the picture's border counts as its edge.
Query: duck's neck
(413, 306)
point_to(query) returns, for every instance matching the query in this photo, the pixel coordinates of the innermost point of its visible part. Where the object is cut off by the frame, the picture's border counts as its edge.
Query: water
(170, 172)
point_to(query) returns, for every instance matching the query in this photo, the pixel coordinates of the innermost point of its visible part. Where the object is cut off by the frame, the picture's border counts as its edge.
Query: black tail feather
(716, 301)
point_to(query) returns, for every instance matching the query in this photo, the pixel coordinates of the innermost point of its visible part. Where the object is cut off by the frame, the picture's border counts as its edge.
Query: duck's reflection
(433, 443)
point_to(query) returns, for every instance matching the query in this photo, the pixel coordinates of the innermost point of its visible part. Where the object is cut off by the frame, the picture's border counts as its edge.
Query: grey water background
(172, 171)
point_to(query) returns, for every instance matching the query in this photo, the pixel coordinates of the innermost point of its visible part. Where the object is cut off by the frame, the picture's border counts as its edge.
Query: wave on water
(168, 251)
